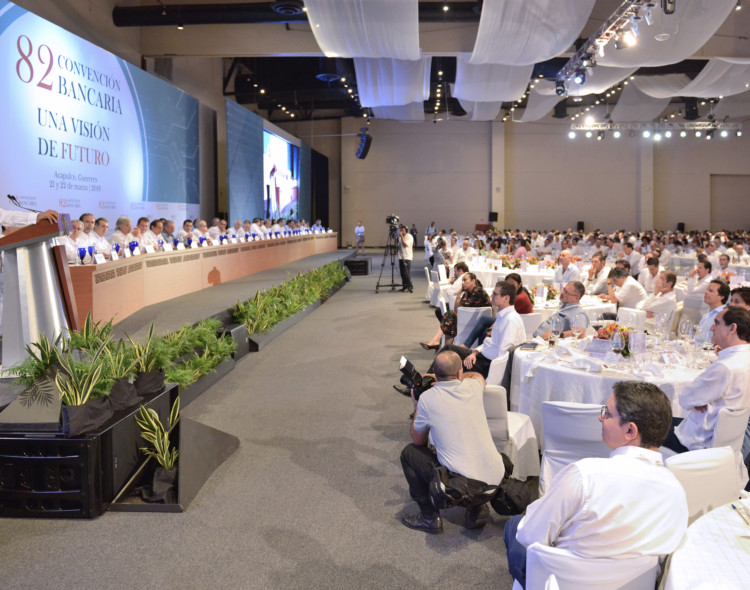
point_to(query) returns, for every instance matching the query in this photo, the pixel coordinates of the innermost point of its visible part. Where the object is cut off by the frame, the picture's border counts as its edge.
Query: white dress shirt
(507, 331)
(630, 294)
(724, 384)
(150, 239)
(661, 304)
(101, 244)
(647, 280)
(123, 240)
(625, 506)
(598, 285)
(707, 320)
(565, 276)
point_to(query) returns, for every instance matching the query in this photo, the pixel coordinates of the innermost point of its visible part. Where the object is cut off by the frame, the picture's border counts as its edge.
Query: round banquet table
(590, 306)
(538, 376)
(715, 553)
(531, 277)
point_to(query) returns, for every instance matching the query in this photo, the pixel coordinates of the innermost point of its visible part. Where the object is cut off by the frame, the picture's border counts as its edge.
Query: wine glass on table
(81, 254)
(555, 331)
(578, 325)
(618, 344)
(91, 251)
(597, 323)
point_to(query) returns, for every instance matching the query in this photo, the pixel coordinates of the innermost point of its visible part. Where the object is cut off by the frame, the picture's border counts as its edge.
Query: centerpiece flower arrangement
(552, 293)
(532, 260)
(510, 262)
(607, 331)
(726, 275)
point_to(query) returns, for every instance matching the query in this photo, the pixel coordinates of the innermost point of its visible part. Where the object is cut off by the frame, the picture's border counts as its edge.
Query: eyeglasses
(605, 413)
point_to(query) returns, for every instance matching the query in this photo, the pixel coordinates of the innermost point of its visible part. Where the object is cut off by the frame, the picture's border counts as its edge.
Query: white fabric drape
(519, 33)
(366, 28)
(634, 105)
(542, 99)
(734, 106)
(717, 78)
(409, 112)
(598, 80)
(662, 86)
(693, 23)
(490, 82)
(387, 82)
(480, 111)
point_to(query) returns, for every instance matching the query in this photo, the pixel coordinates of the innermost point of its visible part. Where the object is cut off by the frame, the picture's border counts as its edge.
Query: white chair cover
(632, 318)
(435, 295)
(531, 321)
(513, 433)
(430, 286)
(676, 316)
(366, 28)
(709, 477)
(497, 370)
(579, 573)
(572, 431)
(466, 320)
(730, 432)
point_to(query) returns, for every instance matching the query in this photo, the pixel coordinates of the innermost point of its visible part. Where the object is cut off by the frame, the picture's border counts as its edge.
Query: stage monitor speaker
(691, 108)
(364, 145)
(493, 216)
(681, 227)
(579, 226)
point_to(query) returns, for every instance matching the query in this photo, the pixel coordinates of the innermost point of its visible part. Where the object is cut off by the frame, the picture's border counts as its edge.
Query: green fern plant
(41, 355)
(78, 380)
(153, 432)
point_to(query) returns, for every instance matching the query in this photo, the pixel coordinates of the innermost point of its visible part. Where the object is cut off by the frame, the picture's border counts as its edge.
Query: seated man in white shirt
(152, 236)
(200, 230)
(123, 233)
(168, 233)
(699, 277)
(663, 301)
(101, 244)
(567, 271)
(465, 253)
(141, 227)
(634, 258)
(724, 384)
(88, 221)
(596, 283)
(621, 507)
(724, 263)
(186, 231)
(716, 297)
(214, 231)
(623, 289)
(74, 240)
(648, 275)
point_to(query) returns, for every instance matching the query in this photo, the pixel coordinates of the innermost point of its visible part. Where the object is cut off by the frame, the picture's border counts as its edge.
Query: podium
(37, 294)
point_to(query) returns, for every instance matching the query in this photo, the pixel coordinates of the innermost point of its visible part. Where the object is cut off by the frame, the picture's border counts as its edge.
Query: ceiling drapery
(410, 112)
(387, 82)
(540, 102)
(693, 23)
(737, 105)
(634, 105)
(490, 82)
(366, 28)
(522, 33)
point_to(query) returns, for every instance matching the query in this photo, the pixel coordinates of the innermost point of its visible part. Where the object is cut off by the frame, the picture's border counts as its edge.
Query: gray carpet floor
(312, 497)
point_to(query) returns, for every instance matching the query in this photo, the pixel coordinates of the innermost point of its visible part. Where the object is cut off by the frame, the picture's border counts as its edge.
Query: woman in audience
(523, 302)
(740, 297)
(472, 294)
(480, 248)
(493, 251)
(522, 250)
(441, 255)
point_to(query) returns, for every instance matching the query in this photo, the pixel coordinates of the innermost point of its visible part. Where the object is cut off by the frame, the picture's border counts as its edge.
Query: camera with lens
(412, 379)
(392, 220)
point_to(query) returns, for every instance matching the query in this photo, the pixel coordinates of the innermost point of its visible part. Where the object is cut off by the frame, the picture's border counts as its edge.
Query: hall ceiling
(267, 47)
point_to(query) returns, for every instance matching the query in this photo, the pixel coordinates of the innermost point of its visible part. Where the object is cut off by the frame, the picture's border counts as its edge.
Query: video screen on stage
(85, 131)
(268, 175)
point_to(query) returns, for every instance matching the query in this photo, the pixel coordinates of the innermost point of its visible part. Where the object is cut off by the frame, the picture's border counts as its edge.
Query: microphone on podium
(14, 200)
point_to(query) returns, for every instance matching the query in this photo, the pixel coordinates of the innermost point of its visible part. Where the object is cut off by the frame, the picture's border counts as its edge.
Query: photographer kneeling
(452, 412)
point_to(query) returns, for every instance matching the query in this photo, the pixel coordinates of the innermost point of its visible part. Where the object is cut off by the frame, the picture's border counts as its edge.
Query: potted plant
(152, 357)
(163, 486)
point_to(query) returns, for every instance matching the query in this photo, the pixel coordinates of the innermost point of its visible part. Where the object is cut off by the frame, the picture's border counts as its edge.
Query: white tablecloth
(589, 305)
(715, 553)
(537, 378)
(531, 277)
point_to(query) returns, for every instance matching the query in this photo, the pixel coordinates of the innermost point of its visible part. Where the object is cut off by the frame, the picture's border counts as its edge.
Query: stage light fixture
(739, 133)
(683, 133)
(738, 6)
(600, 136)
(646, 133)
(647, 13)
(629, 38)
(617, 134)
(667, 134)
(710, 134)
(571, 134)
(588, 134)
(445, 8)
(560, 87)
(580, 76)
(724, 133)
(657, 136)
(698, 134)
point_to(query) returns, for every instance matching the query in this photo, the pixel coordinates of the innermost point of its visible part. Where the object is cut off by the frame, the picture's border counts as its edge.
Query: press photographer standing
(405, 256)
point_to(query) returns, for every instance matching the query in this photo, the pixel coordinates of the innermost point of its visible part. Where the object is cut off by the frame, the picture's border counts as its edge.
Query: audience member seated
(88, 221)
(740, 297)
(662, 302)
(101, 244)
(214, 231)
(464, 290)
(442, 255)
(167, 233)
(567, 271)
(715, 296)
(624, 506)
(724, 384)
(152, 235)
(74, 240)
(623, 289)
(699, 278)
(596, 283)
(648, 275)
(200, 230)
(634, 257)
(465, 253)
(574, 320)
(451, 414)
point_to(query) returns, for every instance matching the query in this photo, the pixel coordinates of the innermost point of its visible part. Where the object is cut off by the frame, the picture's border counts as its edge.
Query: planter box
(50, 476)
(191, 392)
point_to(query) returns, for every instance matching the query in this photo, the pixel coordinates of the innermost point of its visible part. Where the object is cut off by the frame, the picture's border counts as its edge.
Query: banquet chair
(497, 370)
(632, 318)
(709, 477)
(430, 286)
(580, 573)
(442, 273)
(435, 288)
(467, 317)
(572, 431)
(676, 315)
(730, 432)
(531, 321)
(443, 309)
(512, 433)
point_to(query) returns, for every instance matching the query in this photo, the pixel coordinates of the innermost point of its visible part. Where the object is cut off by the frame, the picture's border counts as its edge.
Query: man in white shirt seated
(88, 221)
(237, 228)
(573, 320)
(200, 230)
(152, 236)
(186, 231)
(699, 278)
(712, 253)
(74, 240)
(634, 258)
(256, 227)
(623, 289)
(317, 227)
(123, 233)
(724, 384)
(715, 296)
(214, 231)
(624, 506)
(168, 234)
(465, 253)
(101, 244)
(596, 283)
(663, 301)
(724, 263)
(648, 275)
(141, 227)
(567, 271)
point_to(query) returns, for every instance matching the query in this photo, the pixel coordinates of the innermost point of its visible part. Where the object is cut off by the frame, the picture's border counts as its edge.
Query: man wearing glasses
(570, 314)
(624, 506)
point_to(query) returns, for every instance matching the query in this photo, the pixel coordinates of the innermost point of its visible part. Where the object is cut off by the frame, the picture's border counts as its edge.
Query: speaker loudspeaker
(364, 145)
(681, 227)
(579, 227)
(493, 216)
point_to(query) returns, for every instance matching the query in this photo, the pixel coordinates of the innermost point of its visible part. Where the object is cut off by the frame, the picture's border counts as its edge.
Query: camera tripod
(391, 249)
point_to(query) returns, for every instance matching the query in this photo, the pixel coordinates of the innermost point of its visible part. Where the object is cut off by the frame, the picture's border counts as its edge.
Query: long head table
(117, 289)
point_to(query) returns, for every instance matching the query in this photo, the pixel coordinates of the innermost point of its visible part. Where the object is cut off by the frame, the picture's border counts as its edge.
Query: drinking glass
(618, 344)
(597, 323)
(190, 242)
(132, 246)
(91, 251)
(175, 242)
(578, 324)
(82, 254)
(686, 328)
(555, 331)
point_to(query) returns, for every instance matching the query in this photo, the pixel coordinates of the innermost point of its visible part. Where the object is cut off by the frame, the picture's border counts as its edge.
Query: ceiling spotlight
(291, 115)
(445, 8)
(647, 14)
(739, 133)
(646, 133)
(180, 26)
(710, 134)
(571, 134)
(738, 6)
(657, 136)
(667, 134)
(350, 91)
(698, 134)
(600, 136)
(343, 79)
(588, 60)
(164, 10)
(629, 38)
(577, 99)
(262, 90)
(559, 87)
(580, 76)
(616, 134)
(589, 120)
(589, 134)
(724, 133)
(683, 133)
